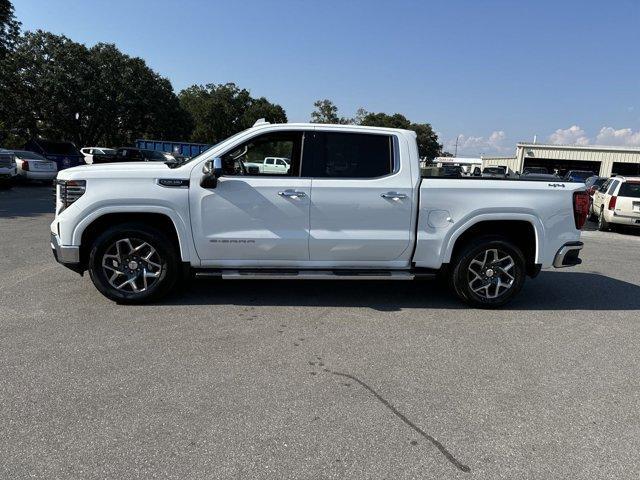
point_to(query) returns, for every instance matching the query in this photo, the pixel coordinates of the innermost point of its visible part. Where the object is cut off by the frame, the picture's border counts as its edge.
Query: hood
(118, 170)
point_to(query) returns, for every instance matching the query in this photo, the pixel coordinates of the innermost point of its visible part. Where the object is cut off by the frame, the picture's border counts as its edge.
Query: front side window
(255, 157)
(352, 155)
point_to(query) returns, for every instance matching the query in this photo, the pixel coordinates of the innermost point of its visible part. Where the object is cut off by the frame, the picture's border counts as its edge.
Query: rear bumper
(38, 175)
(622, 219)
(568, 255)
(66, 255)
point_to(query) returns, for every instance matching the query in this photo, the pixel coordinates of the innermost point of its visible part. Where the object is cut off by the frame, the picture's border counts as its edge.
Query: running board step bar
(289, 274)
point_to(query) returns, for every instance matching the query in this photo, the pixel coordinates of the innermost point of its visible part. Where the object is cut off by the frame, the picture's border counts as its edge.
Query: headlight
(68, 191)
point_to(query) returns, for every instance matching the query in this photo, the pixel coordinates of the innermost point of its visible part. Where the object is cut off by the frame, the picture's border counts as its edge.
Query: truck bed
(449, 206)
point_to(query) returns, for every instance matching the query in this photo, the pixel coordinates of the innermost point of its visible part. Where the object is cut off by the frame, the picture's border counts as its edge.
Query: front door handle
(393, 195)
(292, 194)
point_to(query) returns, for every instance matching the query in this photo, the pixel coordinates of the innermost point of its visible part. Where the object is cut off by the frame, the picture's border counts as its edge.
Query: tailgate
(628, 206)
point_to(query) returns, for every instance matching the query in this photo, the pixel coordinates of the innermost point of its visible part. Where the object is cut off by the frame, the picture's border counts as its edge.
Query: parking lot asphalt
(315, 380)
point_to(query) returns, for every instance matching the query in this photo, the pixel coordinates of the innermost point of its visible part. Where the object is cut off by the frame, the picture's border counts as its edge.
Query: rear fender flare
(454, 234)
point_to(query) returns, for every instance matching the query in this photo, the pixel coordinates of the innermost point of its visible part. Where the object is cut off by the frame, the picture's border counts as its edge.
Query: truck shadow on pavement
(549, 291)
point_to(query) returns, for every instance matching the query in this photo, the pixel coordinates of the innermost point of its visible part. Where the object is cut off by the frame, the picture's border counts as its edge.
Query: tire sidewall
(162, 245)
(602, 223)
(460, 272)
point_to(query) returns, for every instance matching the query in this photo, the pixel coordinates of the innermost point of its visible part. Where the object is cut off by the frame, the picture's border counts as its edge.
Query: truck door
(361, 199)
(252, 218)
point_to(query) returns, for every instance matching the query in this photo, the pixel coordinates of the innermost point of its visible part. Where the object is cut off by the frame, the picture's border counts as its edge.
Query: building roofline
(551, 146)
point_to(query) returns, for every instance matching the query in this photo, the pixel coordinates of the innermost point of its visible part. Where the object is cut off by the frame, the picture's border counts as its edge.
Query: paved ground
(315, 380)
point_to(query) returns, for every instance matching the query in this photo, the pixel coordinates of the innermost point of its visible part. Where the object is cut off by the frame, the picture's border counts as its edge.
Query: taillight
(580, 208)
(612, 203)
(25, 165)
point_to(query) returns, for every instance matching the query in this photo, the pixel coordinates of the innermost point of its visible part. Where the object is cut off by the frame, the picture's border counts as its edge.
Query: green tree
(66, 91)
(428, 146)
(9, 33)
(221, 110)
(9, 28)
(327, 112)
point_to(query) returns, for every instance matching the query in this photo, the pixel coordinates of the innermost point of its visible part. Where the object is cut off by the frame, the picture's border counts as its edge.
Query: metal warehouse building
(604, 161)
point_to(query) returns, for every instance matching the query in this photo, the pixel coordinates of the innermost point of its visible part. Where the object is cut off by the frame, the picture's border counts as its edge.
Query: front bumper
(66, 255)
(568, 255)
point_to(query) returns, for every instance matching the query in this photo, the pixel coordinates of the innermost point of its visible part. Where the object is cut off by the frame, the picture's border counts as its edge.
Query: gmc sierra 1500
(352, 205)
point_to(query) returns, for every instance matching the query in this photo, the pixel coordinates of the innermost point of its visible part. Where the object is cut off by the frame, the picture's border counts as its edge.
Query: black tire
(603, 225)
(592, 213)
(167, 257)
(461, 278)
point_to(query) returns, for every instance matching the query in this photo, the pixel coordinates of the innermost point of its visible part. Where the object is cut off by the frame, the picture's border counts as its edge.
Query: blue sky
(493, 72)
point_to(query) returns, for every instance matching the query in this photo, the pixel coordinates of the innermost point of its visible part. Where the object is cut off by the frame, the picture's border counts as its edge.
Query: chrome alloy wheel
(490, 273)
(131, 265)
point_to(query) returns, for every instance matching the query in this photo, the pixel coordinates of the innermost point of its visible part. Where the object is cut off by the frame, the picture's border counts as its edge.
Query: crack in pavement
(448, 455)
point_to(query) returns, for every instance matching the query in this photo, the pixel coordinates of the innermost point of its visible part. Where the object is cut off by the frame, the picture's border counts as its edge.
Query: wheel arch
(523, 231)
(164, 219)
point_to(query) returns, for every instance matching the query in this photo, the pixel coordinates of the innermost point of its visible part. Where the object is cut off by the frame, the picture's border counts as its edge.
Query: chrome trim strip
(562, 253)
(305, 275)
(64, 254)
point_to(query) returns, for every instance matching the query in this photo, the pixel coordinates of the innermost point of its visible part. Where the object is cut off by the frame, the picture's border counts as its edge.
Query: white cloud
(573, 135)
(472, 146)
(623, 137)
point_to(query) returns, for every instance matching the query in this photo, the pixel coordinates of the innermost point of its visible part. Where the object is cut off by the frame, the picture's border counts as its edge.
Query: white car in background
(89, 152)
(32, 166)
(7, 169)
(617, 202)
(278, 165)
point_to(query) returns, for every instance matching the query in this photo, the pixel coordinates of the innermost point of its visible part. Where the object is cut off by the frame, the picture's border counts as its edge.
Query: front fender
(187, 249)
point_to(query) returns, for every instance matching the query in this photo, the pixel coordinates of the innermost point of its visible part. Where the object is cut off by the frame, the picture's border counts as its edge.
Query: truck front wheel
(133, 263)
(488, 272)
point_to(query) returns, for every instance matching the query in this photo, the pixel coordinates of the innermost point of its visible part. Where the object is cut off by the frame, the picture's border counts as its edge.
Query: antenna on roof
(260, 121)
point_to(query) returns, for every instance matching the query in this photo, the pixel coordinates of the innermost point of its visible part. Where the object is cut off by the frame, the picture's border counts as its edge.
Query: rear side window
(612, 187)
(628, 189)
(352, 155)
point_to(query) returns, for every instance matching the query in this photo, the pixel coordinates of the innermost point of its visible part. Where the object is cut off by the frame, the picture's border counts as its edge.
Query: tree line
(52, 87)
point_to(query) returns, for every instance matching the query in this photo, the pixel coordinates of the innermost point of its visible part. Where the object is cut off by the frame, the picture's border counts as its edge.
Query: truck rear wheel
(133, 263)
(488, 272)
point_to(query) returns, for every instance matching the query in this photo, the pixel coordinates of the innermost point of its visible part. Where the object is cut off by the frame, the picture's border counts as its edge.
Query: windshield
(58, 148)
(212, 147)
(28, 155)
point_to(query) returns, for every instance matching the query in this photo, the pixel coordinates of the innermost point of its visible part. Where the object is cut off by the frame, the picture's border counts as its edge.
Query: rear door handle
(292, 194)
(393, 195)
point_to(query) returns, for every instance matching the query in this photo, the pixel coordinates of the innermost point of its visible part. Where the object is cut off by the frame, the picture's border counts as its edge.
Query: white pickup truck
(269, 165)
(353, 205)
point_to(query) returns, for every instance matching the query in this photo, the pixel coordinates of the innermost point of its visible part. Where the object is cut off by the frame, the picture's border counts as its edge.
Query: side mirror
(211, 170)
